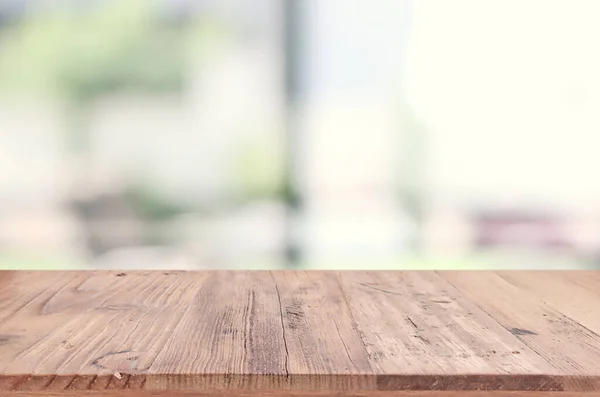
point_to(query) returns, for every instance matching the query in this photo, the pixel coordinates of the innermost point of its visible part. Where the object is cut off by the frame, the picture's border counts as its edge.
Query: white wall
(511, 92)
(31, 140)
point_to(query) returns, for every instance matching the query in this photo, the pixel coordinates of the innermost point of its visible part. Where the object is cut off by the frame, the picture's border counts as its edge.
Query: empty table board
(300, 333)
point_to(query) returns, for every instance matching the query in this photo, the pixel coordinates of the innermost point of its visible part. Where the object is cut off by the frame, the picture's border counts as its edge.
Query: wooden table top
(299, 332)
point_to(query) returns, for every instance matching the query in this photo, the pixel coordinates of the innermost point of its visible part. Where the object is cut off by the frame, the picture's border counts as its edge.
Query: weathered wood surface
(303, 333)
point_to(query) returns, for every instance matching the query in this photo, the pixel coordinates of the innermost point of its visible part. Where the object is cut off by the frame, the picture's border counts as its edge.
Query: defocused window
(319, 134)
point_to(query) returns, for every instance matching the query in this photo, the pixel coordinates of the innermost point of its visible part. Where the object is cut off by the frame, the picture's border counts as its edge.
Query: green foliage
(77, 56)
(151, 204)
(258, 171)
(80, 56)
(412, 183)
(413, 158)
(16, 260)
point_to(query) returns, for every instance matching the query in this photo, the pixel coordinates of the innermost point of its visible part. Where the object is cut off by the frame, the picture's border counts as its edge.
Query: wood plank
(584, 278)
(416, 323)
(103, 324)
(231, 335)
(562, 291)
(320, 333)
(313, 393)
(106, 333)
(567, 345)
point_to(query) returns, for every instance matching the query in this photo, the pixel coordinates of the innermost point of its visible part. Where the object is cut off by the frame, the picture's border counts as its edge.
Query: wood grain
(299, 333)
(323, 393)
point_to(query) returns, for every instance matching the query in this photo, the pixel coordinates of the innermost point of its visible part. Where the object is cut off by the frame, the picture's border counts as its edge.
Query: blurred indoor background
(265, 134)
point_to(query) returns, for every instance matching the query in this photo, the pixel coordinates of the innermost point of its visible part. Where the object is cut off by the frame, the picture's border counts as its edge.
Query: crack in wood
(337, 327)
(379, 289)
(287, 353)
